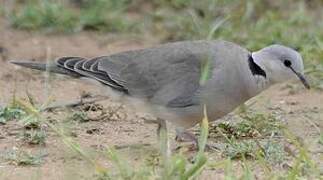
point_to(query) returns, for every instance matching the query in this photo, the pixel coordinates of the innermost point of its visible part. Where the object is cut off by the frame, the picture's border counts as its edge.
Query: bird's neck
(259, 75)
(261, 83)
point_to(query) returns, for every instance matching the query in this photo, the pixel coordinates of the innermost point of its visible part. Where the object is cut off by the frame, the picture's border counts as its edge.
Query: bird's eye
(287, 63)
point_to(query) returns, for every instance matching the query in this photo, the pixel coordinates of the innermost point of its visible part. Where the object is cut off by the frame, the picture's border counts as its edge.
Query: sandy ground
(299, 107)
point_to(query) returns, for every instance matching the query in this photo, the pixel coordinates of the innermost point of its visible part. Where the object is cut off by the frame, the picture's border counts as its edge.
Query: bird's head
(280, 63)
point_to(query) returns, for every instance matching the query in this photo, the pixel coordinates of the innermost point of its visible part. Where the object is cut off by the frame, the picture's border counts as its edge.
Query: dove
(174, 81)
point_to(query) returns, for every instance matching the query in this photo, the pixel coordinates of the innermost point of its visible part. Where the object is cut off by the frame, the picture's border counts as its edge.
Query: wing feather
(83, 66)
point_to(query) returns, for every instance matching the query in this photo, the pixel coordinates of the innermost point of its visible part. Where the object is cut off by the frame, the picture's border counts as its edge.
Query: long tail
(43, 67)
(76, 67)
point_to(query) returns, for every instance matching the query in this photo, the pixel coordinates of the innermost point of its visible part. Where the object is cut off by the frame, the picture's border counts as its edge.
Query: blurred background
(253, 24)
(43, 30)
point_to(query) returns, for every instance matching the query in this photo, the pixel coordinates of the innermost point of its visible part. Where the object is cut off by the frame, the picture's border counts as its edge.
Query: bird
(174, 81)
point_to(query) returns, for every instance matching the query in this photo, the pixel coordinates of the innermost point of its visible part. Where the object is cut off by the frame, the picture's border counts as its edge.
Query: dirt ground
(299, 107)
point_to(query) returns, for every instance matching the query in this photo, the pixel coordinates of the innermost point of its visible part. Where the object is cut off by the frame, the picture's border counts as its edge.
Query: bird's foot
(185, 136)
(190, 141)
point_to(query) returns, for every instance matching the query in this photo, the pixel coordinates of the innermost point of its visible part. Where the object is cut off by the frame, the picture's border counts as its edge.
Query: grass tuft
(34, 137)
(79, 116)
(22, 158)
(47, 15)
(9, 113)
(321, 139)
(55, 16)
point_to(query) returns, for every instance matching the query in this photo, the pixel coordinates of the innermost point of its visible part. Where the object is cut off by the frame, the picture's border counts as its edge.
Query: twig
(317, 152)
(309, 120)
(74, 103)
(150, 121)
(131, 146)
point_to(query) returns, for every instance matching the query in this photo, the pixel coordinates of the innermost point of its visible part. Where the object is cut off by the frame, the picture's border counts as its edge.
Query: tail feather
(43, 67)
(75, 67)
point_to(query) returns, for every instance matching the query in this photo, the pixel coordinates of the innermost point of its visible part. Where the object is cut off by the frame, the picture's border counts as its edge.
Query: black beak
(301, 77)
